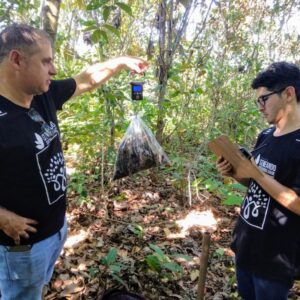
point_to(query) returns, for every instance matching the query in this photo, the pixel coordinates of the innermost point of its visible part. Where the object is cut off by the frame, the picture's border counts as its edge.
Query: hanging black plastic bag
(138, 150)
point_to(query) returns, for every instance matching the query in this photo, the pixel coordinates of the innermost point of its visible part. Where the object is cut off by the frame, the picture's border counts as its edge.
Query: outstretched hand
(99, 73)
(135, 64)
(15, 226)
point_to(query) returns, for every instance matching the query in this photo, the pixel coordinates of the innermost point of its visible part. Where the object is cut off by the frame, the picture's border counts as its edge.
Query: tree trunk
(167, 48)
(163, 68)
(50, 14)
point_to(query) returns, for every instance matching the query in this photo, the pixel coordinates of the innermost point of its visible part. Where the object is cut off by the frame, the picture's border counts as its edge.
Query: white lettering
(267, 167)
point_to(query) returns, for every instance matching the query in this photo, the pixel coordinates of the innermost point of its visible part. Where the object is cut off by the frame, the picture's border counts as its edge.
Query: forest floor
(138, 217)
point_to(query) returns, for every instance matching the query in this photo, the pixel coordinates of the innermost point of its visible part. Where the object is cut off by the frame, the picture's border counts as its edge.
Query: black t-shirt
(266, 239)
(32, 173)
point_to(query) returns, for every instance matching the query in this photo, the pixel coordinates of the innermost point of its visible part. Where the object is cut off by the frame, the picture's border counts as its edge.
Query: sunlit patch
(71, 157)
(75, 239)
(204, 221)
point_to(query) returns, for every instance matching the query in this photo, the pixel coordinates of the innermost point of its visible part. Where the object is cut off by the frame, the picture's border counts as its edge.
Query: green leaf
(219, 252)
(157, 249)
(90, 28)
(115, 268)
(96, 4)
(136, 229)
(233, 200)
(239, 187)
(153, 262)
(112, 29)
(98, 34)
(112, 255)
(212, 184)
(93, 271)
(125, 7)
(199, 91)
(110, 96)
(93, 6)
(173, 267)
(175, 94)
(110, 258)
(88, 23)
(106, 12)
(120, 280)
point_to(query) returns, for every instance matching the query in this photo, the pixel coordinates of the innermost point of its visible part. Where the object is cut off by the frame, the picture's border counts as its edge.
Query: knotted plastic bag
(138, 150)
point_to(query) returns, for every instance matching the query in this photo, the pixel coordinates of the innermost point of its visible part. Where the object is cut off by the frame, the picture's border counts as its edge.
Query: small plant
(231, 285)
(112, 266)
(120, 198)
(137, 229)
(219, 253)
(229, 193)
(162, 264)
(77, 184)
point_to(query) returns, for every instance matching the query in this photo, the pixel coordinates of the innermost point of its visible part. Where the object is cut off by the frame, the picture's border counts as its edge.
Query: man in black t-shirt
(32, 174)
(266, 238)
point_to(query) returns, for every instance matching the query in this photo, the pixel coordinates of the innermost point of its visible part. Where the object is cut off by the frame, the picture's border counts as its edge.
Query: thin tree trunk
(167, 49)
(163, 68)
(50, 14)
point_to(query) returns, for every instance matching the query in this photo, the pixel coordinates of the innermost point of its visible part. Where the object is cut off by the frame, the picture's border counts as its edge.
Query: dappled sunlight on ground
(75, 239)
(202, 221)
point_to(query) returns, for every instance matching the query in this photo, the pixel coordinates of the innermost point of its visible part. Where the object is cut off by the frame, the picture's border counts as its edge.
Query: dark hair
(116, 294)
(278, 76)
(21, 37)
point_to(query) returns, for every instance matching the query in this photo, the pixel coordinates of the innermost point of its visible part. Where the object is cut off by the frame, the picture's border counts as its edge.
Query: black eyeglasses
(261, 100)
(36, 117)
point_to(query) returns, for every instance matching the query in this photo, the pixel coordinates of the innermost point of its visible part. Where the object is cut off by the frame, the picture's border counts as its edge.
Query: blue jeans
(252, 287)
(24, 274)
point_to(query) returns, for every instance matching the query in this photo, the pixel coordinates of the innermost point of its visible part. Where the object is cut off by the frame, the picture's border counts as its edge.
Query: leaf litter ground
(135, 213)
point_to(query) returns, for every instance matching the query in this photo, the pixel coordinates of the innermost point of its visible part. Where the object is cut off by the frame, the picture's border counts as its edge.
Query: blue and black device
(136, 90)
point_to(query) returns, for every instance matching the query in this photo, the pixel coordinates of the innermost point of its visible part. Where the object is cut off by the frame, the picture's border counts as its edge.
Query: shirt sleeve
(61, 91)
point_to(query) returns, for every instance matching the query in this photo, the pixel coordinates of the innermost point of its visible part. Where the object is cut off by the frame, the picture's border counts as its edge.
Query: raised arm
(98, 74)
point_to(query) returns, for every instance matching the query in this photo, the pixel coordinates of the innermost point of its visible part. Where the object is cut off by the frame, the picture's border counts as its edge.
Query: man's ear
(15, 57)
(290, 93)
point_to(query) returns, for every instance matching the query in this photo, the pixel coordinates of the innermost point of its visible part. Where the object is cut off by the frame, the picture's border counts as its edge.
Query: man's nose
(260, 106)
(52, 70)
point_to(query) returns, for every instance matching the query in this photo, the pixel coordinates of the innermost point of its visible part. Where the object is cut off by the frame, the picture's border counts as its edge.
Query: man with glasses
(266, 238)
(32, 174)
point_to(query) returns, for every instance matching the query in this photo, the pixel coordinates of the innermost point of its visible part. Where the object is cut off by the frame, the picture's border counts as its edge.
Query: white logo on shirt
(46, 136)
(255, 206)
(2, 113)
(265, 166)
(53, 175)
(256, 203)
